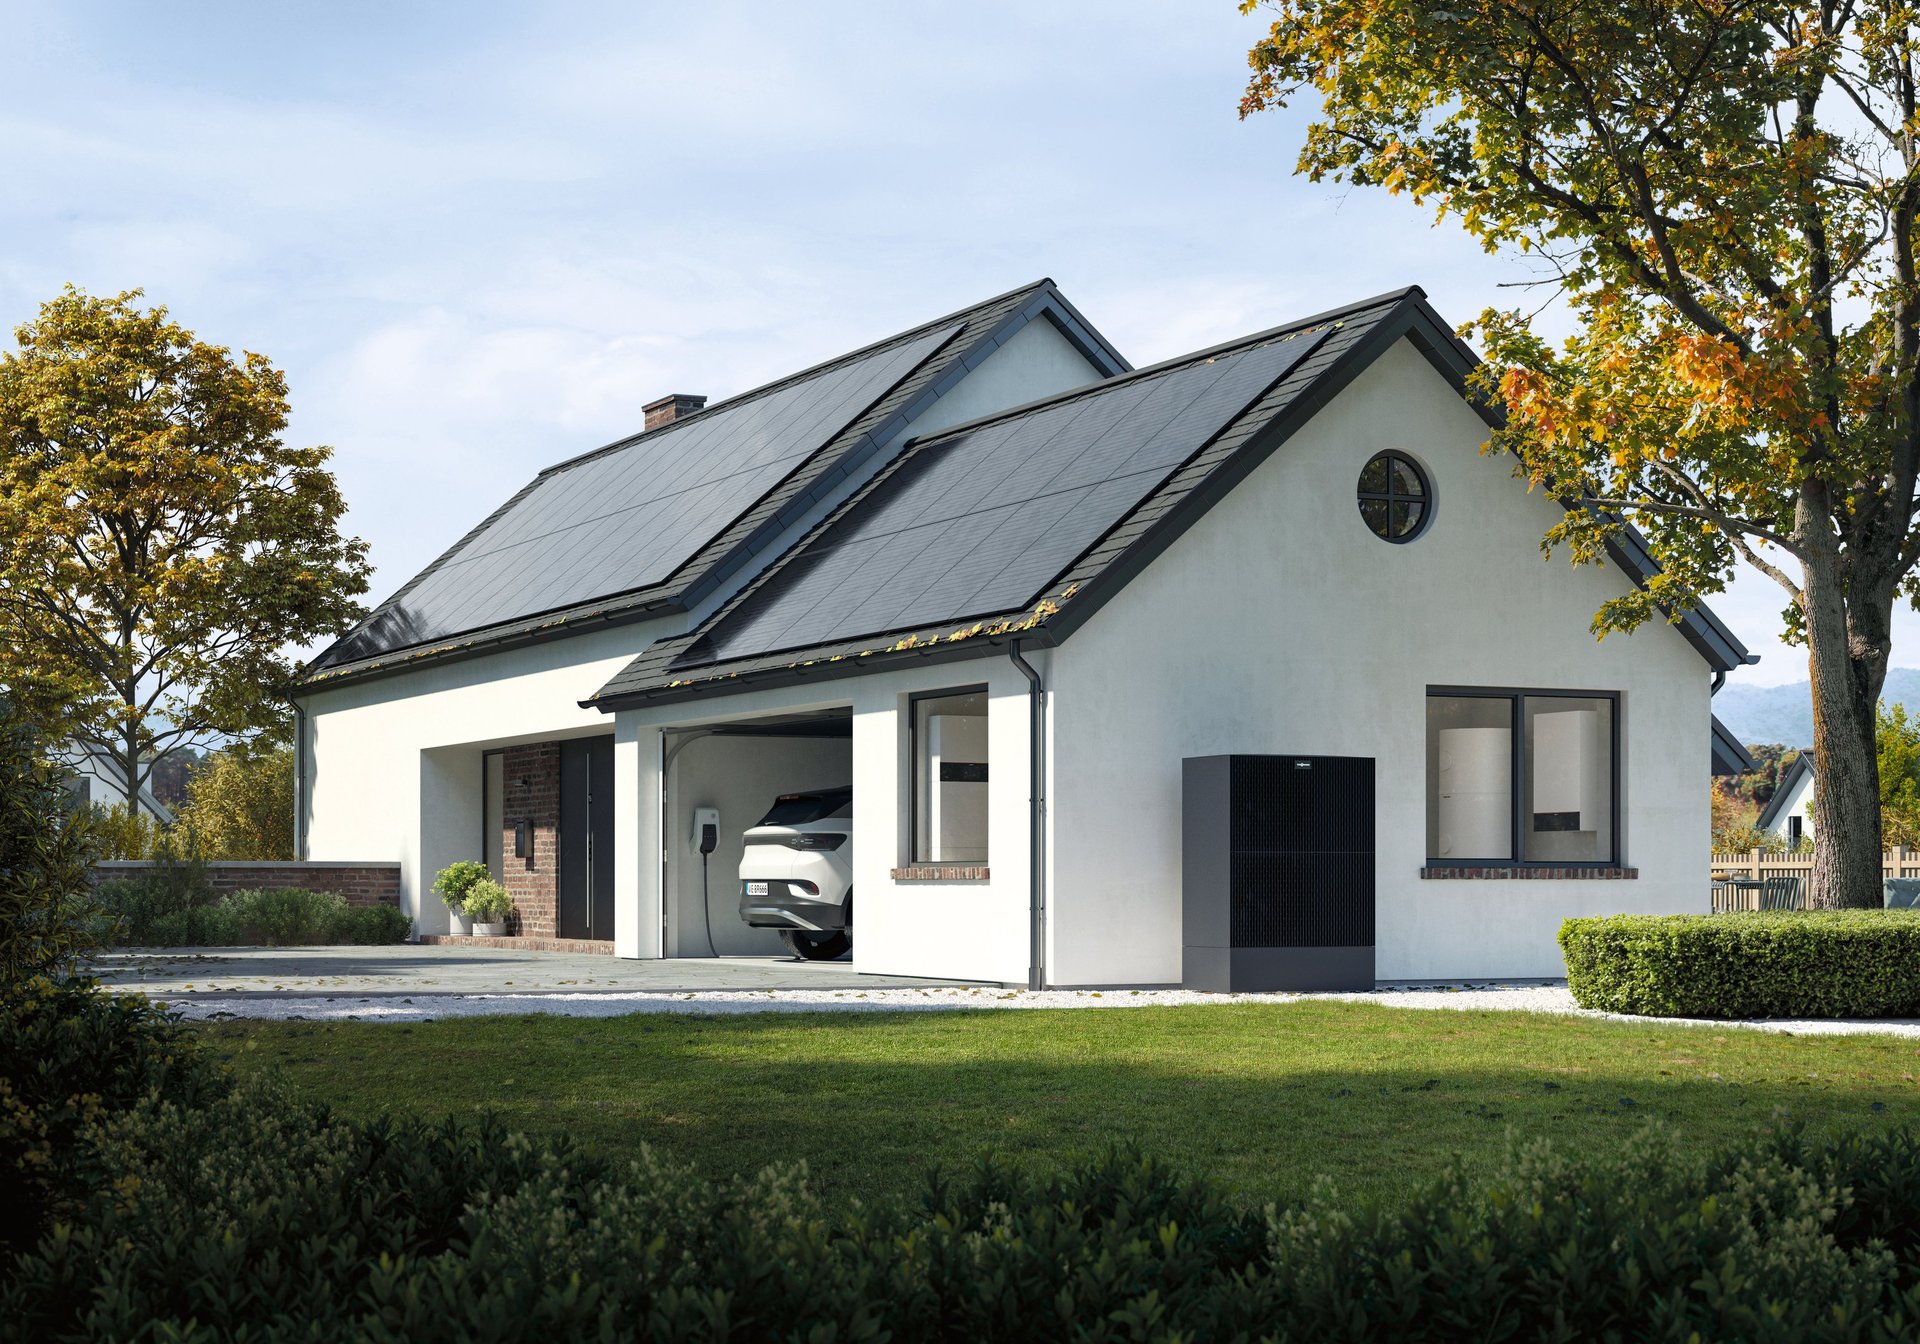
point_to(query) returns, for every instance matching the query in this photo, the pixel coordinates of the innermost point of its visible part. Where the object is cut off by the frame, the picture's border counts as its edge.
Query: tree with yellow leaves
(1725, 193)
(160, 546)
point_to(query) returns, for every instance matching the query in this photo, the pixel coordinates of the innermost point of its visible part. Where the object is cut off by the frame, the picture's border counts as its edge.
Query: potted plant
(489, 904)
(453, 884)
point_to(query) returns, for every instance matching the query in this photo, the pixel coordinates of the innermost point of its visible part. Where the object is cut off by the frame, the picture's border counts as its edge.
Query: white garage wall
(741, 776)
(1279, 624)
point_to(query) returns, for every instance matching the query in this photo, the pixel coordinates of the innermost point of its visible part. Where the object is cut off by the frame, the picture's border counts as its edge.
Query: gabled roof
(98, 762)
(1022, 524)
(1730, 756)
(656, 521)
(1781, 803)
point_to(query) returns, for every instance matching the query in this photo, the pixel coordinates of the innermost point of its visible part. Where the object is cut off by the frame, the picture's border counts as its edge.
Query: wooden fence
(1901, 862)
(1749, 870)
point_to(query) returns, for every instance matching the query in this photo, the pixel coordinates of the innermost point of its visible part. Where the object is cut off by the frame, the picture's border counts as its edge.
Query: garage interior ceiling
(984, 519)
(823, 723)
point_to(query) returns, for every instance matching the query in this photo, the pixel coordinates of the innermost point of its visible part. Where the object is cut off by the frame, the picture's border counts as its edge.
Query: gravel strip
(1530, 998)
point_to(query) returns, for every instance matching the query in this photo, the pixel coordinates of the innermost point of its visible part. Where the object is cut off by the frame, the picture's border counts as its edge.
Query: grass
(1264, 1099)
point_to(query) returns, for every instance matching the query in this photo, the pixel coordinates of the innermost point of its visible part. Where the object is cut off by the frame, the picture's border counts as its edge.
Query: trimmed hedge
(1778, 963)
(183, 1208)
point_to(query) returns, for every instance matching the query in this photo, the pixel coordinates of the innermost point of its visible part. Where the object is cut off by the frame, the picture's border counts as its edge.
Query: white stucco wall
(1279, 624)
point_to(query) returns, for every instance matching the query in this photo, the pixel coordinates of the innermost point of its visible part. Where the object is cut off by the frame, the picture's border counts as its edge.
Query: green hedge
(177, 1205)
(153, 915)
(1786, 963)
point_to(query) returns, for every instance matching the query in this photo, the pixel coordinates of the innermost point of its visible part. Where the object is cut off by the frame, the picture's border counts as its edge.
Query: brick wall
(531, 793)
(359, 883)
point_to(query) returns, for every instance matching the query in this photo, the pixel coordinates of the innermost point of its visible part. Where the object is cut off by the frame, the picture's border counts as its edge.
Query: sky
(478, 238)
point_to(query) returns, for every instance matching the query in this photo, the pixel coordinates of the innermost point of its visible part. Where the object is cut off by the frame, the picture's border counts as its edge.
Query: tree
(1899, 770)
(159, 545)
(1725, 193)
(240, 806)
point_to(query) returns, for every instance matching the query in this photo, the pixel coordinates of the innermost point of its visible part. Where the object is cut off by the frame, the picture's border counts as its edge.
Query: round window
(1395, 500)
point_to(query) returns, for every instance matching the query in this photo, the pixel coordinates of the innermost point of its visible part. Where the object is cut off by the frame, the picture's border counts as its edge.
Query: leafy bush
(125, 833)
(1785, 963)
(456, 880)
(487, 901)
(48, 914)
(149, 916)
(372, 925)
(240, 804)
(285, 917)
(190, 1207)
(70, 1056)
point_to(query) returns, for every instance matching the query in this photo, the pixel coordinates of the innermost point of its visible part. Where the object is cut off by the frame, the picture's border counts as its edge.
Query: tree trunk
(1846, 664)
(130, 761)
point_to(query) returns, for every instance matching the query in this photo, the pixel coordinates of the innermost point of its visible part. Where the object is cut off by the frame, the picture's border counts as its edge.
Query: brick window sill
(1534, 873)
(941, 872)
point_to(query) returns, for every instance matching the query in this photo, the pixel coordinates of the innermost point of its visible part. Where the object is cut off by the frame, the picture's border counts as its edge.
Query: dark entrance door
(586, 838)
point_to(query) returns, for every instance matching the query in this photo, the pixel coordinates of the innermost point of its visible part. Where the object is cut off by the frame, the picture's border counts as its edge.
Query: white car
(796, 874)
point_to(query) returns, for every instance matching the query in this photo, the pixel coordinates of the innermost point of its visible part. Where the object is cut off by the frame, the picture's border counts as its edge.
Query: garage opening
(794, 772)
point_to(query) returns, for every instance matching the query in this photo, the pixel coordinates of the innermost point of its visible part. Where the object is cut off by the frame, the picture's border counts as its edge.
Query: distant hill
(1784, 714)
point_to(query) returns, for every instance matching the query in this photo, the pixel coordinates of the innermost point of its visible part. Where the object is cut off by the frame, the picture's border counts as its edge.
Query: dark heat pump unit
(1277, 872)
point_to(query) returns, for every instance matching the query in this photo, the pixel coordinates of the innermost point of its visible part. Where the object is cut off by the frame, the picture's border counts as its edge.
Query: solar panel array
(627, 518)
(985, 521)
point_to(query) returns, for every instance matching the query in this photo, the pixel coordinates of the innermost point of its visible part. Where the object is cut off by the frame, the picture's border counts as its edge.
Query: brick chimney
(668, 409)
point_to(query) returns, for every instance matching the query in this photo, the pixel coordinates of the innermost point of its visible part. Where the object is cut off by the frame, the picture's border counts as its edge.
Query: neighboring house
(1790, 811)
(95, 777)
(1006, 591)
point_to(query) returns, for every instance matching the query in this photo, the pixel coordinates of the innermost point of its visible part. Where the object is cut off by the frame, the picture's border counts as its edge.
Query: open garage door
(731, 776)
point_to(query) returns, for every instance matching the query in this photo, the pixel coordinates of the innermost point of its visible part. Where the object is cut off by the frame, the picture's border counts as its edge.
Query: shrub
(125, 833)
(456, 880)
(240, 804)
(285, 917)
(487, 901)
(150, 915)
(191, 1207)
(70, 1055)
(197, 926)
(372, 925)
(48, 913)
(1786, 963)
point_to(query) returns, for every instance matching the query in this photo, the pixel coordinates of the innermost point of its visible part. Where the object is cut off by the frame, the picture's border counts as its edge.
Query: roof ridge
(800, 375)
(1412, 293)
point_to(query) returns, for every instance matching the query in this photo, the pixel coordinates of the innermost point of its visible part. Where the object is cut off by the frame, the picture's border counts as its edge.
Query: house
(1790, 811)
(95, 777)
(1006, 587)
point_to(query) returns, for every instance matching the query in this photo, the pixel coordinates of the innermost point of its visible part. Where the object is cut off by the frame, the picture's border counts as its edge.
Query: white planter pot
(458, 924)
(498, 930)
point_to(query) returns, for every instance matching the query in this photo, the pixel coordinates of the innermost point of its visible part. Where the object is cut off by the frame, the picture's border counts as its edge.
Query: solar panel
(627, 518)
(985, 521)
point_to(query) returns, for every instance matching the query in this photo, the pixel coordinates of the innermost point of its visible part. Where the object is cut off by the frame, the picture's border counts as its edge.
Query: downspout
(299, 780)
(1036, 821)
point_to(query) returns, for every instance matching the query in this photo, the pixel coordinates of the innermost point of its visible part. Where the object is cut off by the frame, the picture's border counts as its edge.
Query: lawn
(1262, 1098)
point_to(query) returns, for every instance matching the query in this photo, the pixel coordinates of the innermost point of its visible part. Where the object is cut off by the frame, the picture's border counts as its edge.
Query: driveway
(181, 973)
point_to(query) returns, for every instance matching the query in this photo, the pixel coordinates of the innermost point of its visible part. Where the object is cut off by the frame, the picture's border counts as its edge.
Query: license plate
(756, 888)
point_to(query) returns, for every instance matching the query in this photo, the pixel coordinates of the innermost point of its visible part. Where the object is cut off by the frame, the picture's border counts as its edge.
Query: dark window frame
(1517, 697)
(913, 763)
(1391, 496)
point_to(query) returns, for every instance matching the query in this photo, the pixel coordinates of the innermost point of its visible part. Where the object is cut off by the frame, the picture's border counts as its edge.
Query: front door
(586, 838)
